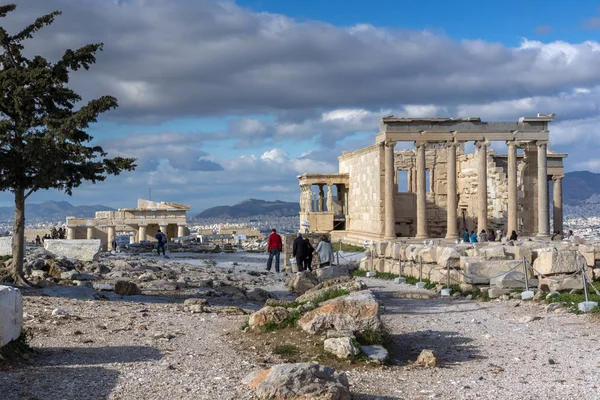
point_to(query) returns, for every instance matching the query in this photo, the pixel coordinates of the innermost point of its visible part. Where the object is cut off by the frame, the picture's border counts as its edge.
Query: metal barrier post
(525, 272)
(584, 279)
(448, 274)
(421, 269)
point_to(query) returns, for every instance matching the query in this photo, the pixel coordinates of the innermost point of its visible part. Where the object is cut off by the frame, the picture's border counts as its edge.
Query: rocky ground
(98, 345)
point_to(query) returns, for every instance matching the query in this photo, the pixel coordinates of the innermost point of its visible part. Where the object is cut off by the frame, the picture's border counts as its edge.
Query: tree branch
(33, 189)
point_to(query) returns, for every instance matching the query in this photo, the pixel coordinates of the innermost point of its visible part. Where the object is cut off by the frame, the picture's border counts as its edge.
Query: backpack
(163, 238)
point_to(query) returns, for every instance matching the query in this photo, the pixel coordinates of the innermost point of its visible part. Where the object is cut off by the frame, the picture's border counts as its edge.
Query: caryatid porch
(324, 214)
(529, 133)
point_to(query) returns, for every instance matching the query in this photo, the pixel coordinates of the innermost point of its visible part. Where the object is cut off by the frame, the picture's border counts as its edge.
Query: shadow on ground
(361, 396)
(450, 347)
(97, 355)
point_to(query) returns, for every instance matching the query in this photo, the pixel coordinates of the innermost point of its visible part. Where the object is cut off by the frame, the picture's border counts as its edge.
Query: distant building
(144, 220)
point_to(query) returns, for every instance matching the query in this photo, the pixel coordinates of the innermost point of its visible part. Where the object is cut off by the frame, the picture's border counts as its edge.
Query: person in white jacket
(325, 252)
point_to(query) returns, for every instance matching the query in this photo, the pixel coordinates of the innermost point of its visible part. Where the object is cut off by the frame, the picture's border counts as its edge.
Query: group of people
(54, 234)
(484, 236)
(302, 251)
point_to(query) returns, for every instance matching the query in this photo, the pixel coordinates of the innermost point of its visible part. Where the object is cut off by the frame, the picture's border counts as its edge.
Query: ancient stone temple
(447, 189)
(144, 220)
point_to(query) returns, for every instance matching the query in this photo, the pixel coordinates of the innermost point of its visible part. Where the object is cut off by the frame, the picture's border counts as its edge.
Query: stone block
(80, 249)
(493, 252)
(449, 256)
(466, 259)
(518, 252)
(490, 269)
(380, 248)
(427, 254)
(495, 292)
(6, 243)
(11, 314)
(588, 254)
(512, 280)
(560, 283)
(552, 261)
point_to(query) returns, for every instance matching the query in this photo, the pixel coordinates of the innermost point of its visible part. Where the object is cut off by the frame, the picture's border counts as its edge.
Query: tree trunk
(19, 237)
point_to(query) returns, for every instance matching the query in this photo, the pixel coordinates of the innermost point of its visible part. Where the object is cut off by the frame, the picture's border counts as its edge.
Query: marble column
(389, 214)
(409, 181)
(421, 193)
(452, 200)
(89, 232)
(482, 186)
(542, 189)
(142, 234)
(111, 237)
(330, 198)
(321, 202)
(512, 188)
(557, 203)
(70, 233)
(180, 230)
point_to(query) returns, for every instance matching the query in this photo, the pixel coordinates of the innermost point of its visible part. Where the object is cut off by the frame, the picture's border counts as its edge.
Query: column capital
(420, 144)
(540, 143)
(513, 143)
(557, 177)
(480, 143)
(451, 143)
(389, 143)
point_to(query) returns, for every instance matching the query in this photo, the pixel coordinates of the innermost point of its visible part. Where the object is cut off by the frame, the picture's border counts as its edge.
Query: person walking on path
(274, 247)
(325, 252)
(162, 240)
(465, 236)
(299, 250)
(309, 255)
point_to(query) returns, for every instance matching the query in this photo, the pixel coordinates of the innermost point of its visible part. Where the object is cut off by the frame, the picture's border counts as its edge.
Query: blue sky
(223, 101)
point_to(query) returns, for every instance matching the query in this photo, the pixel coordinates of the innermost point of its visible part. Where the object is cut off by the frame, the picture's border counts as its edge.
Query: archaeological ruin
(447, 189)
(144, 220)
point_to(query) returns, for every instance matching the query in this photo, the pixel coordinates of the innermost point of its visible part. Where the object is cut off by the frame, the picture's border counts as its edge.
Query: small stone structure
(76, 249)
(145, 220)
(11, 314)
(6, 244)
(484, 190)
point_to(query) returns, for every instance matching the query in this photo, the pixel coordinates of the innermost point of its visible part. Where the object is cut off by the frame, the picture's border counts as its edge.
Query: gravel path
(154, 350)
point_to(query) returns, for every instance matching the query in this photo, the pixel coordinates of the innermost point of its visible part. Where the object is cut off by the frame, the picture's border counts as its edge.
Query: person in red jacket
(274, 247)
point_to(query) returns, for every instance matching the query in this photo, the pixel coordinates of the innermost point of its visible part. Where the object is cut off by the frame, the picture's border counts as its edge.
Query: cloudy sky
(226, 100)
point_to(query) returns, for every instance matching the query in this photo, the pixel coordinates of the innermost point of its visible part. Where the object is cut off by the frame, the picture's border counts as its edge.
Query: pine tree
(43, 143)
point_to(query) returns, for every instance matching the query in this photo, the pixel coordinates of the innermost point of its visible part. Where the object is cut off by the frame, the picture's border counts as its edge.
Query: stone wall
(6, 243)
(365, 197)
(11, 314)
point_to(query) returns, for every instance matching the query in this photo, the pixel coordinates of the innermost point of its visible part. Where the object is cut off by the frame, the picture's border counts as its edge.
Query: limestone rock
(121, 265)
(551, 261)
(300, 381)
(490, 269)
(258, 295)
(333, 271)
(493, 252)
(428, 358)
(495, 292)
(267, 315)
(560, 283)
(449, 256)
(6, 245)
(512, 280)
(279, 303)
(587, 253)
(302, 281)
(83, 250)
(58, 266)
(69, 275)
(314, 294)
(376, 353)
(427, 254)
(126, 288)
(341, 347)
(355, 312)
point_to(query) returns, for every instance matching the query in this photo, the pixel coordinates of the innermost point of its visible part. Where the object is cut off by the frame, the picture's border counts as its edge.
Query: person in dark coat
(309, 255)
(513, 236)
(299, 251)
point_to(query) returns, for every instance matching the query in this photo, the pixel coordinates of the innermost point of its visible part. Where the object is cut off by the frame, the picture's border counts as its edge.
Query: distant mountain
(251, 208)
(53, 210)
(579, 186)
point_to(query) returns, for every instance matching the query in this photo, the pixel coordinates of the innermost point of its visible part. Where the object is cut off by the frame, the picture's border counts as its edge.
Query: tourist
(161, 241)
(299, 250)
(274, 247)
(38, 241)
(556, 236)
(492, 236)
(513, 236)
(473, 237)
(309, 255)
(325, 252)
(483, 236)
(465, 236)
(570, 235)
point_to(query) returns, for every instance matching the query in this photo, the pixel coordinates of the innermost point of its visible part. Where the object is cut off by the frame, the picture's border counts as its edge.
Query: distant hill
(53, 210)
(251, 208)
(579, 186)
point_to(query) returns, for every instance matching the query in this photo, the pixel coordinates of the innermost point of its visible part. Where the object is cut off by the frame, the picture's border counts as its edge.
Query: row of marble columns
(308, 200)
(543, 228)
(111, 232)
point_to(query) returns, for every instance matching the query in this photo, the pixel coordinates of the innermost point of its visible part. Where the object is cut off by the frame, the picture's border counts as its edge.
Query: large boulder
(552, 261)
(302, 381)
(449, 257)
(300, 282)
(355, 312)
(11, 314)
(82, 250)
(333, 271)
(427, 254)
(258, 295)
(341, 347)
(588, 253)
(126, 288)
(267, 315)
(6, 245)
(317, 292)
